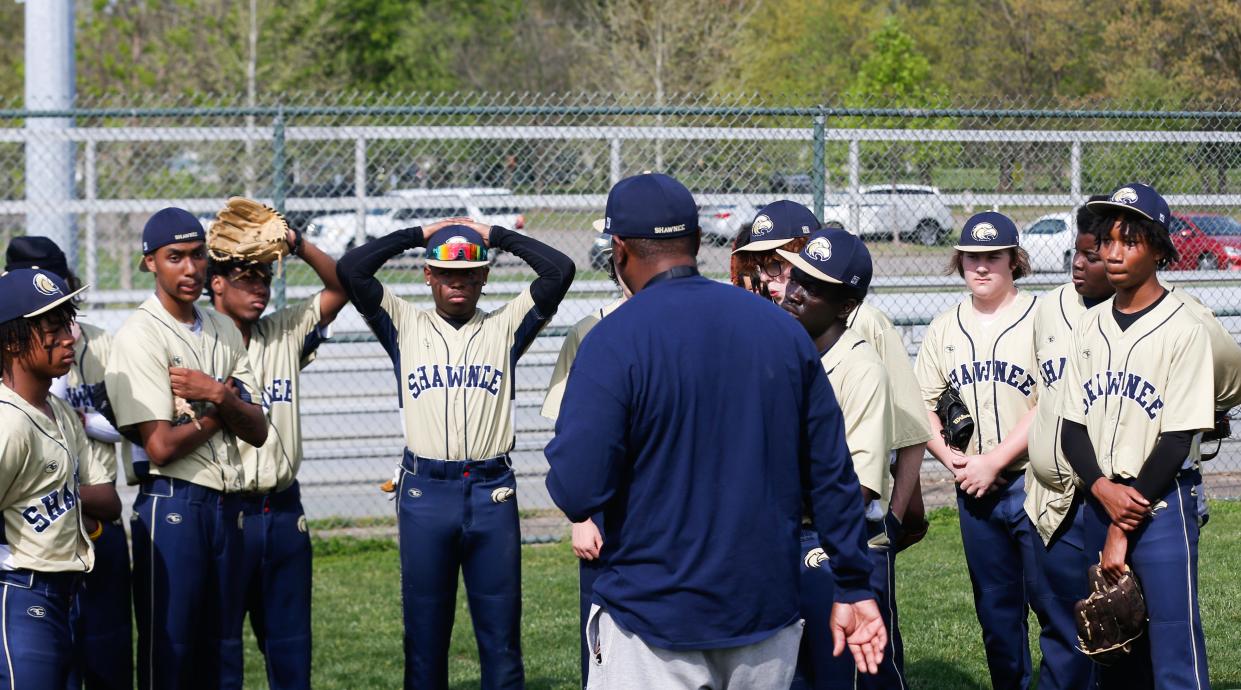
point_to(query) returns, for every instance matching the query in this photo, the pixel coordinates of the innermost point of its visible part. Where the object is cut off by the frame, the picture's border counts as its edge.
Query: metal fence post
(91, 192)
(614, 161)
(818, 172)
(1075, 172)
(855, 182)
(278, 190)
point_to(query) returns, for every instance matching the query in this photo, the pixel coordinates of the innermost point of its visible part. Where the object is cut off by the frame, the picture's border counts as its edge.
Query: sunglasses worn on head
(458, 251)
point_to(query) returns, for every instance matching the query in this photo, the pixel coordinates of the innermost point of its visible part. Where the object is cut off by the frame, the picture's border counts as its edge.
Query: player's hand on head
(1125, 505)
(859, 627)
(587, 541)
(438, 225)
(193, 384)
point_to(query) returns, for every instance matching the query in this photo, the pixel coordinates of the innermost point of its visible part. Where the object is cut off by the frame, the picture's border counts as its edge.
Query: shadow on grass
(531, 684)
(933, 674)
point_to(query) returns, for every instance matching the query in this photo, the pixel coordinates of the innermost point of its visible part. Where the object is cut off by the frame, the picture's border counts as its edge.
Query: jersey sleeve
(1072, 404)
(1186, 408)
(394, 316)
(137, 379)
(560, 374)
(14, 451)
(909, 425)
(243, 376)
(300, 323)
(867, 413)
(91, 468)
(928, 370)
(521, 319)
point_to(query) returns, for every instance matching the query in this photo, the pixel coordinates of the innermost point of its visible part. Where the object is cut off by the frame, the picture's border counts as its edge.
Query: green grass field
(357, 614)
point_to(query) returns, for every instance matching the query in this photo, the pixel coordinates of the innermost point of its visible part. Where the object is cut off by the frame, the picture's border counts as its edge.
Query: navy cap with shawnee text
(1138, 198)
(650, 205)
(778, 223)
(29, 292)
(36, 252)
(170, 226)
(987, 232)
(834, 256)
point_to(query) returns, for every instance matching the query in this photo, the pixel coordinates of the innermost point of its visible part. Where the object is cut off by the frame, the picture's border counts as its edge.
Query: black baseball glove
(955, 418)
(1111, 618)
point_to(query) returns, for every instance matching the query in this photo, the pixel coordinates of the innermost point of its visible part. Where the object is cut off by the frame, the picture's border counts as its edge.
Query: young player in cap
(587, 535)
(1133, 404)
(180, 379)
(456, 498)
(276, 570)
(829, 279)
(984, 348)
(102, 610)
(48, 476)
(757, 265)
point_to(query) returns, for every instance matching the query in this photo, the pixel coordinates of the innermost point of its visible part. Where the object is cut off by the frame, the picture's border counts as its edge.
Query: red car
(1206, 242)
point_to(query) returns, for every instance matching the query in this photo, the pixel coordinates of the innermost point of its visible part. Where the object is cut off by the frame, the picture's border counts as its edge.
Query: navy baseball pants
(36, 646)
(187, 598)
(1163, 554)
(1061, 582)
(460, 516)
(817, 669)
(276, 580)
(101, 618)
(998, 538)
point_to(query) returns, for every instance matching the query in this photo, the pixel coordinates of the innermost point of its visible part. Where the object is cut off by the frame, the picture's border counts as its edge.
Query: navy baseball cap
(650, 205)
(170, 226)
(36, 252)
(456, 246)
(834, 256)
(29, 292)
(777, 224)
(987, 232)
(1137, 198)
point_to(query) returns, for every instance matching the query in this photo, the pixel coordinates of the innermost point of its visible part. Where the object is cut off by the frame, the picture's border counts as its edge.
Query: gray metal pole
(49, 156)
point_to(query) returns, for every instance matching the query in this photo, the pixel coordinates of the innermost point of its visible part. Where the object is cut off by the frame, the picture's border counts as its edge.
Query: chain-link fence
(353, 167)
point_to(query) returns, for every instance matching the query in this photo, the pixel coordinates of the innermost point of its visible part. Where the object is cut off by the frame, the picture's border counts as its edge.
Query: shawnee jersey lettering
(992, 362)
(1050, 494)
(147, 344)
(39, 458)
(281, 345)
(456, 385)
(1128, 386)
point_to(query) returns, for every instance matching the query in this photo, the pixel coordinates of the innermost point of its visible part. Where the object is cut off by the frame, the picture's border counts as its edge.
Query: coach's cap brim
(807, 267)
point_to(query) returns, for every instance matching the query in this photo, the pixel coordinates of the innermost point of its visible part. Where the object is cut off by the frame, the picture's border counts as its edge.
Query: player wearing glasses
(455, 491)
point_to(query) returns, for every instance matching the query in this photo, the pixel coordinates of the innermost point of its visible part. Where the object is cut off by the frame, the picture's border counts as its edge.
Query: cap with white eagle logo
(29, 292)
(987, 232)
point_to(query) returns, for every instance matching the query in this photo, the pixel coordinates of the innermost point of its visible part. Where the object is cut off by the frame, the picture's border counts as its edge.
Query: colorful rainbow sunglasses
(458, 251)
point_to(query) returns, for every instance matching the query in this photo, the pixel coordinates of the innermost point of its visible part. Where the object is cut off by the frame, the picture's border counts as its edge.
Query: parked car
(918, 212)
(1206, 241)
(720, 223)
(1049, 242)
(335, 233)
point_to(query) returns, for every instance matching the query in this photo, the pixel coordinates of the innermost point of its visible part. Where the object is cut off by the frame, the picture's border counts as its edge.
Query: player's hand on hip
(586, 540)
(860, 627)
(193, 384)
(1125, 505)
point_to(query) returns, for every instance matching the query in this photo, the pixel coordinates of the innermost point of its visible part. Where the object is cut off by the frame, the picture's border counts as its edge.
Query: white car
(720, 223)
(1049, 242)
(916, 211)
(335, 233)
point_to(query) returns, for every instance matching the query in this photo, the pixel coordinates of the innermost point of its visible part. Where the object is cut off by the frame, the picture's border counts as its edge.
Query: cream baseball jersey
(1127, 387)
(990, 360)
(456, 385)
(281, 343)
(1225, 352)
(564, 361)
(909, 425)
(42, 461)
(1050, 478)
(90, 358)
(859, 379)
(147, 344)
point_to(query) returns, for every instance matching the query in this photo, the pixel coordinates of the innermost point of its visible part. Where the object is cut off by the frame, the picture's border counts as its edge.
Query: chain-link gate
(350, 168)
